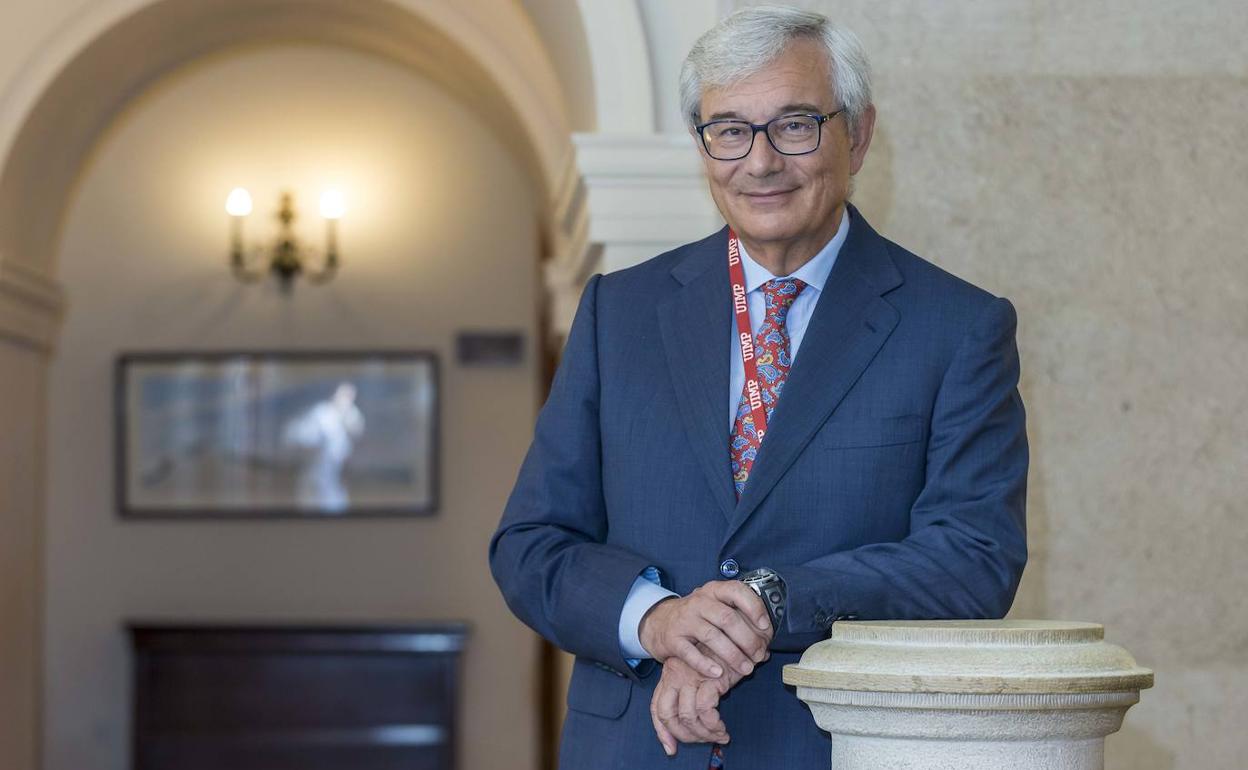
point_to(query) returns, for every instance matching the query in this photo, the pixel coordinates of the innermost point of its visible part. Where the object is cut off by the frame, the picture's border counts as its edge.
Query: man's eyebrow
(787, 109)
(802, 107)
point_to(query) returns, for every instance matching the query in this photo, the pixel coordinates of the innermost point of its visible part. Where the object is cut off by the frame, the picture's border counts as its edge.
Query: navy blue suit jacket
(891, 483)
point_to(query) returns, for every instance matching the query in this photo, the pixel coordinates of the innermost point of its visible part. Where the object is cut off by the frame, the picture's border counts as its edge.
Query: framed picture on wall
(277, 434)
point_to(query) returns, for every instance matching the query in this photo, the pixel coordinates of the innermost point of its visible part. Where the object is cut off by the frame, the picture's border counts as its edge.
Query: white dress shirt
(644, 594)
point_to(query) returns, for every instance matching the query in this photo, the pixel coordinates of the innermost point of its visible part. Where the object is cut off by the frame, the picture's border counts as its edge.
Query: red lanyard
(745, 335)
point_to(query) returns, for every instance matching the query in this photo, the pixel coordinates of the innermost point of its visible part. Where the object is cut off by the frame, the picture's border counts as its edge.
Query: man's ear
(860, 139)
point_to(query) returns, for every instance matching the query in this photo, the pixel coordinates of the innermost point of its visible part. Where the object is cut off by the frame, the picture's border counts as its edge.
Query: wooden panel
(217, 691)
(303, 698)
(197, 756)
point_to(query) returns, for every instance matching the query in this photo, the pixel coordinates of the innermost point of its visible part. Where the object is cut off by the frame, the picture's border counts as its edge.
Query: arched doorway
(67, 98)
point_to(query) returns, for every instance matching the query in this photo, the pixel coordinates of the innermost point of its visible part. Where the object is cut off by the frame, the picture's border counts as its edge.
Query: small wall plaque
(490, 348)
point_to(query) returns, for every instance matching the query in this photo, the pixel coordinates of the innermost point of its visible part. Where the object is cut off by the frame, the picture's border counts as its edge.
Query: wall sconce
(286, 258)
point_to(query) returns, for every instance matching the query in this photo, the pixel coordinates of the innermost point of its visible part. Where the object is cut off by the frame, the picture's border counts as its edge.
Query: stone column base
(970, 695)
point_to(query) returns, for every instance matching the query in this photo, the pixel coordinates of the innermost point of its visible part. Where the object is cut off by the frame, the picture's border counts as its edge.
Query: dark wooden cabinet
(222, 697)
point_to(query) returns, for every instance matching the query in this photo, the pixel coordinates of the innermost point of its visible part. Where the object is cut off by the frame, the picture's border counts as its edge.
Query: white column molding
(620, 58)
(647, 194)
(672, 29)
(637, 196)
(970, 695)
(31, 305)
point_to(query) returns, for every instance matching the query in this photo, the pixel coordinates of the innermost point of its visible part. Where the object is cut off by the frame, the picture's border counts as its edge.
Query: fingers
(727, 648)
(683, 708)
(666, 738)
(691, 719)
(669, 629)
(725, 618)
(689, 652)
(706, 699)
(733, 610)
(747, 602)
(724, 683)
(665, 706)
(732, 637)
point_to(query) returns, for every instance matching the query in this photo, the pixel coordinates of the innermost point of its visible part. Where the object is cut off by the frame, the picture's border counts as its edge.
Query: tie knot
(780, 294)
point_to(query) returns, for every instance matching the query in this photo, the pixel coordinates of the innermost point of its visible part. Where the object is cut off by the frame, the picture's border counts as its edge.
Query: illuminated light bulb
(333, 204)
(238, 204)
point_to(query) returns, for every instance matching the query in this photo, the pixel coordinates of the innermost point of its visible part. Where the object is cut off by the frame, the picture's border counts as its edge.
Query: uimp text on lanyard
(745, 336)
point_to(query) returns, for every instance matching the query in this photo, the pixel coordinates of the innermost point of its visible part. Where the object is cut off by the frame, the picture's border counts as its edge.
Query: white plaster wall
(441, 235)
(1086, 160)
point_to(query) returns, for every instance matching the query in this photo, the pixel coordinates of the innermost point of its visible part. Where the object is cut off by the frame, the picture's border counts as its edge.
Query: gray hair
(750, 39)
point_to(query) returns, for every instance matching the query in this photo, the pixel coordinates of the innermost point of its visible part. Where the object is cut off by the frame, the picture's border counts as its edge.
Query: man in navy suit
(794, 399)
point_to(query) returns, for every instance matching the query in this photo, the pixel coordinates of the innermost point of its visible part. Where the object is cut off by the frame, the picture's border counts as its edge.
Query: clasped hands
(707, 642)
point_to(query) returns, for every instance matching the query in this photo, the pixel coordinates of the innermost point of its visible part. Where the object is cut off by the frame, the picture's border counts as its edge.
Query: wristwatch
(770, 587)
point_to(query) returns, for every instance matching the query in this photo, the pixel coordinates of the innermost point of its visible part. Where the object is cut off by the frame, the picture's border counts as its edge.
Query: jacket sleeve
(549, 556)
(967, 545)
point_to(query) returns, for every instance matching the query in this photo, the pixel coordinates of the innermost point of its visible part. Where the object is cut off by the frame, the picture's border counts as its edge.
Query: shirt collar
(814, 273)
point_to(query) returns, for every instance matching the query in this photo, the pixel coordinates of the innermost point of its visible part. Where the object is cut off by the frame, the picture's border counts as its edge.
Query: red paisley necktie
(771, 346)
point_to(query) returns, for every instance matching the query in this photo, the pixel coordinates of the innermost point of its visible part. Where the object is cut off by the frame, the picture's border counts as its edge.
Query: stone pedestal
(968, 694)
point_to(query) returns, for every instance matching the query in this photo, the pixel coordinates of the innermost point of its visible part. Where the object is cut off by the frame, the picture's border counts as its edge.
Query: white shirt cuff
(641, 597)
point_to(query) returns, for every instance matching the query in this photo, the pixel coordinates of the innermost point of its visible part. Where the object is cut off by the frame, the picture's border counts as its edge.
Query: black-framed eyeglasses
(796, 134)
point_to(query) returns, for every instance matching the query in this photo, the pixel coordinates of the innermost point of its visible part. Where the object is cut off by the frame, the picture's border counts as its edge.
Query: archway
(63, 104)
(67, 97)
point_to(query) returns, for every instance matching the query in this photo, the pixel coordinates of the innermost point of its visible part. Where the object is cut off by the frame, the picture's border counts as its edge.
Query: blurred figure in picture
(326, 433)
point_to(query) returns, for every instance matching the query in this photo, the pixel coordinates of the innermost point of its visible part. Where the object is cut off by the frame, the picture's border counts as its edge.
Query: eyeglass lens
(732, 139)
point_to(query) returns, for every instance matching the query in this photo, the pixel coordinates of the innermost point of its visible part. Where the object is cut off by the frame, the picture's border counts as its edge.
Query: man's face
(785, 201)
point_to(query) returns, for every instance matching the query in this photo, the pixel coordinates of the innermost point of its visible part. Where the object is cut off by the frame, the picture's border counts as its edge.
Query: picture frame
(277, 434)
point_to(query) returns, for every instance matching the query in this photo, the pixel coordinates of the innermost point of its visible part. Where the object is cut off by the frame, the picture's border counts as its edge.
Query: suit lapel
(695, 325)
(849, 325)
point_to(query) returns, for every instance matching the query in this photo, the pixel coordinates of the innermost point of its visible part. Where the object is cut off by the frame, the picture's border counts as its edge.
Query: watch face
(758, 577)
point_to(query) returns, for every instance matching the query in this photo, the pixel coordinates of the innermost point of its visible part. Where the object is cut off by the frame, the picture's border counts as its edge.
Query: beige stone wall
(1087, 161)
(440, 235)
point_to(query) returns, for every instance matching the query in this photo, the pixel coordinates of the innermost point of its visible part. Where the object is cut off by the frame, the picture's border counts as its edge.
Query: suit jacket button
(729, 568)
